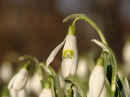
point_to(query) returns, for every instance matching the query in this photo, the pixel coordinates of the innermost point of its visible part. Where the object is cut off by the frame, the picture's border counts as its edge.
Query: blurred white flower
(34, 84)
(126, 53)
(6, 72)
(19, 81)
(46, 92)
(96, 81)
(83, 69)
(70, 56)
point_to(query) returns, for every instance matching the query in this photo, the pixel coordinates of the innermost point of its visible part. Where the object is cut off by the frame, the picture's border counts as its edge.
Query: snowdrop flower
(83, 69)
(6, 71)
(19, 81)
(96, 82)
(46, 92)
(70, 56)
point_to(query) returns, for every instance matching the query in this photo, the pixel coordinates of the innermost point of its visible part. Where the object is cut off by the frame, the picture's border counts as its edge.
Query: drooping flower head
(19, 81)
(69, 54)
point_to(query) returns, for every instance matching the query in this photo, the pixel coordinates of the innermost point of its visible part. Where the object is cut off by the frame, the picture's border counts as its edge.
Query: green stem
(87, 19)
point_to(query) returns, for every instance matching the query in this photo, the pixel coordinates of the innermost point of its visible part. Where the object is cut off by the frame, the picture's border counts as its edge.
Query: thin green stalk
(87, 19)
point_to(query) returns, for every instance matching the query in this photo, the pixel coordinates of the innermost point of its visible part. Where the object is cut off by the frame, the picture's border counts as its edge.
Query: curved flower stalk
(19, 81)
(97, 80)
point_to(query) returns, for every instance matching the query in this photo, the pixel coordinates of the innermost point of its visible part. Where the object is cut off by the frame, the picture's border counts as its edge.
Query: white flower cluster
(49, 87)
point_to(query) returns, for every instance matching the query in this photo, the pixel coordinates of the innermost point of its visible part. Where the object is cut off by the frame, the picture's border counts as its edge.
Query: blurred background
(34, 27)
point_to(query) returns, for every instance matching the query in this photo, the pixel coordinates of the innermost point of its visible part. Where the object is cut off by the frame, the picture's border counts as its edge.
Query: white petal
(46, 93)
(54, 53)
(96, 81)
(19, 80)
(126, 88)
(10, 85)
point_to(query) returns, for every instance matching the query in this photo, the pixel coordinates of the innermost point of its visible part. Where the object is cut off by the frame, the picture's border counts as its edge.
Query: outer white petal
(10, 85)
(69, 65)
(46, 93)
(19, 80)
(54, 53)
(96, 82)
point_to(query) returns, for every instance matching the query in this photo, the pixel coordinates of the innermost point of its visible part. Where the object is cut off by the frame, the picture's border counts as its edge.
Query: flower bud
(46, 92)
(70, 56)
(19, 81)
(96, 82)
